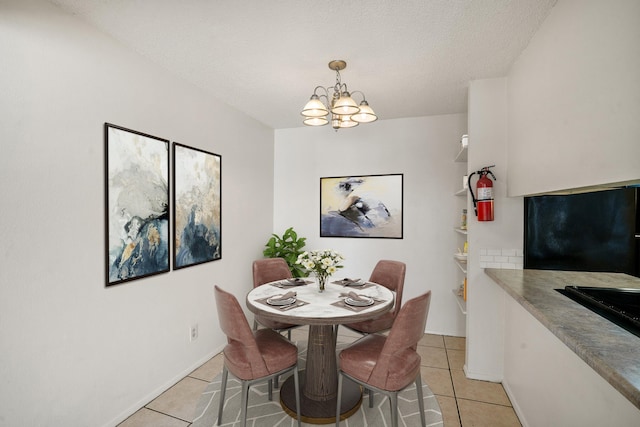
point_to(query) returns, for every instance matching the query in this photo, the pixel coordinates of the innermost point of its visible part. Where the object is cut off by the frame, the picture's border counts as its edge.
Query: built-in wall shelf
(462, 304)
(461, 237)
(462, 155)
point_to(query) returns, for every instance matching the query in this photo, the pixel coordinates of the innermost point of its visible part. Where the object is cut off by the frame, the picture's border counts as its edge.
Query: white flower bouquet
(322, 263)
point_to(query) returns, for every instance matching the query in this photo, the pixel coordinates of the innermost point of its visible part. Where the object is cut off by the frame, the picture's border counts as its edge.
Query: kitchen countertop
(609, 349)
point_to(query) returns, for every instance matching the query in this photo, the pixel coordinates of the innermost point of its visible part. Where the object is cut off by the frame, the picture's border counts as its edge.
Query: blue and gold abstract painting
(137, 204)
(197, 206)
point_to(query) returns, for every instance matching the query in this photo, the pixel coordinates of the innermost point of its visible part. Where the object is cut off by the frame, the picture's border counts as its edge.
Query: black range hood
(597, 231)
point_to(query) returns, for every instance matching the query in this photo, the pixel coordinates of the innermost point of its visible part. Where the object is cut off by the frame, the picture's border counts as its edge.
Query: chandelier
(345, 113)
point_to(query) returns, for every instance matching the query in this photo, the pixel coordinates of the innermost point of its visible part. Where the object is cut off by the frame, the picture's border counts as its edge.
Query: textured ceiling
(410, 58)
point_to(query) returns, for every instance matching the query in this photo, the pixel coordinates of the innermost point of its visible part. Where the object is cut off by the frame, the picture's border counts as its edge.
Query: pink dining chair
(388, 364)
(389, 274)
(265, 271)
(252, 356)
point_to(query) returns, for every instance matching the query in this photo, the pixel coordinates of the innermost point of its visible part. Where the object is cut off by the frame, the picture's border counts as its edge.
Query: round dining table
(321, 311)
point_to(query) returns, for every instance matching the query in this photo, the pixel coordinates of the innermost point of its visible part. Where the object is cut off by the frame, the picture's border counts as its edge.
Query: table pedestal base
(320, 412)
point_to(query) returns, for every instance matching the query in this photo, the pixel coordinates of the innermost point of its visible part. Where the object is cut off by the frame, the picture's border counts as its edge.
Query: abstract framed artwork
(362, 206)
(197, 206)
(137, 204)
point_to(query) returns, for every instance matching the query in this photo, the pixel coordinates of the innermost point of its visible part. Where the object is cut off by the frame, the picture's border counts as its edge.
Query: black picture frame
(197, 206)
(365, 206)
(136, 204)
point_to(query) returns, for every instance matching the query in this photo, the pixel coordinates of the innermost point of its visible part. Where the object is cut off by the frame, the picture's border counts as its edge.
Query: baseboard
(480, 376)
(514, 404)
(143, 401)
(445, 333)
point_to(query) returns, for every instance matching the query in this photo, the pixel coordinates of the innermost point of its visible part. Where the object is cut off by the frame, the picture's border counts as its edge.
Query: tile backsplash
(506, 259)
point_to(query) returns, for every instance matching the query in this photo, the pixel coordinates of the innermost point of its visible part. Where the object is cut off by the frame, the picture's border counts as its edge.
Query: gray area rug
(264, 413)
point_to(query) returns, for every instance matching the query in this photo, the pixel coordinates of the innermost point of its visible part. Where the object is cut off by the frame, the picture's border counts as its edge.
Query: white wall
(423, 150)
(574, 99)
(73, 352)
(488, 145)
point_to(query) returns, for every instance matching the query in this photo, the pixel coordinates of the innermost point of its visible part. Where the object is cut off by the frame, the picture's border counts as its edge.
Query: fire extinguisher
(483, 204)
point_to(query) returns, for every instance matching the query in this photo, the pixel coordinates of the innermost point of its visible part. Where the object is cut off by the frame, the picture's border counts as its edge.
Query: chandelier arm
(364, 98)
(327, 100)
(324, 95)
(326, 92)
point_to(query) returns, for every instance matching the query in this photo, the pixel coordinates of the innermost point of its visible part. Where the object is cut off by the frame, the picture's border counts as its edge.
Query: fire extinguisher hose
(473, 196)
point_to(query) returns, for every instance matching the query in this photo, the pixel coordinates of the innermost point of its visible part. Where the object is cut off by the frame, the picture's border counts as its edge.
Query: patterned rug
(264, 413)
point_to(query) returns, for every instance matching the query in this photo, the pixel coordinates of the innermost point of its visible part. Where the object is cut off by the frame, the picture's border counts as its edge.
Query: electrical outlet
(193, 332)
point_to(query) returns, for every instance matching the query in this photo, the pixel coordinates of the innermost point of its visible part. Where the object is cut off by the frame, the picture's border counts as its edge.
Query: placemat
(344, 305)
(286, 284)
(350, 284)
(298, 303)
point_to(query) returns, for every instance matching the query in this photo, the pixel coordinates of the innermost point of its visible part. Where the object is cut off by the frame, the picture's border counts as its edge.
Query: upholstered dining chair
(389, 274)
(265, 271)
(388, 364)
(252, 356)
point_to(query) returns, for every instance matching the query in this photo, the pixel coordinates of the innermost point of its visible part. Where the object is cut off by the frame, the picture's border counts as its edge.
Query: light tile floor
(464, 402)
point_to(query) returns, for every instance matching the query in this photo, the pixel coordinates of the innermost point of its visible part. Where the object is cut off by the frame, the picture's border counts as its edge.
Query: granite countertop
(609, 349)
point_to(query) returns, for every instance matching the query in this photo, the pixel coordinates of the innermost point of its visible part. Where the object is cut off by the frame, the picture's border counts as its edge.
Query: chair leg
(255, 325)
(243, 402)
(370, 392)
(339, 399)
(420, 399)
(223, 389)
(270, 390)
(393, 401)
(276, 383)
(296, 382)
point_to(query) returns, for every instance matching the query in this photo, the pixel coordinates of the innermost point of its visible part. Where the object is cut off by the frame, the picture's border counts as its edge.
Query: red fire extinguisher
(483, 204)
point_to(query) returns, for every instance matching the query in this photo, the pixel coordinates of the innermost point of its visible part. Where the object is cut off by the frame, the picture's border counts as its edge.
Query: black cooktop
(619, 305)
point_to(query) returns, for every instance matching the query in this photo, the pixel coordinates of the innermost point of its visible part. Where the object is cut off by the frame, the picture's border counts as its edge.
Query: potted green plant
(289, 246)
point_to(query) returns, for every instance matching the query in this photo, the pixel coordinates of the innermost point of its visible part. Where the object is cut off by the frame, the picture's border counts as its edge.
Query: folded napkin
(297, 281)
(346, 282)
(356, 297)
(290, 294)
